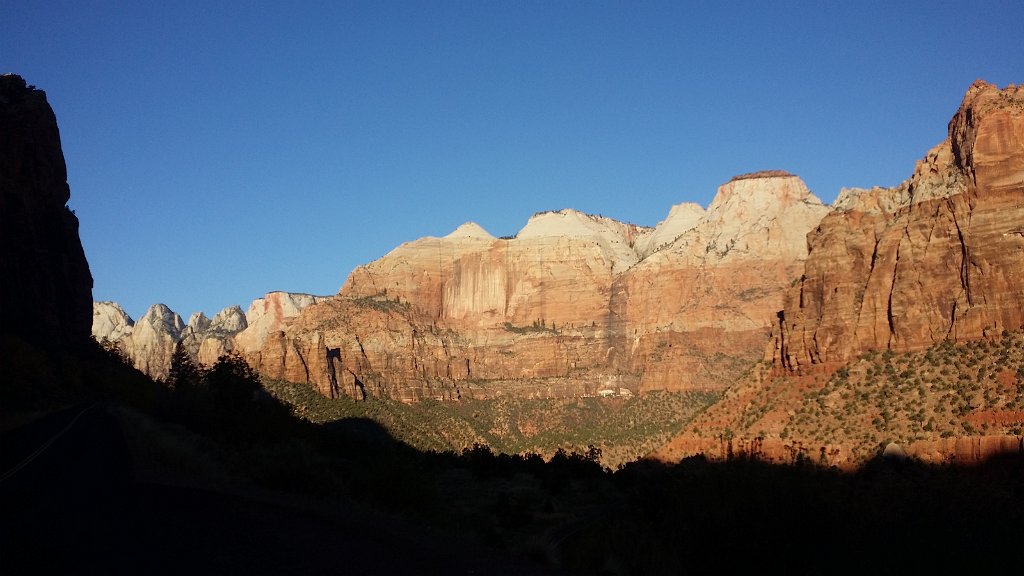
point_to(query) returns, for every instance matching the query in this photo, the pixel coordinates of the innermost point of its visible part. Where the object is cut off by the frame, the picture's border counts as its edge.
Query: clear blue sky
(217, 151)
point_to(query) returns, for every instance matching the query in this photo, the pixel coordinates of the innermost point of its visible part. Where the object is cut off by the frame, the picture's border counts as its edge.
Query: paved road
(75, 508)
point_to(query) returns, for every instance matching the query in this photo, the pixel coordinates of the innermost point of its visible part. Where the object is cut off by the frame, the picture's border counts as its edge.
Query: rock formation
(207, 340)
(939, 257)
(696, 313)
(269, 314)
(150, 342)
(934, 261)
(110, 323)
(45, 284)
(572, 304)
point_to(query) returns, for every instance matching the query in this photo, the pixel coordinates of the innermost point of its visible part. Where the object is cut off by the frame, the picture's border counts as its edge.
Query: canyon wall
(574, 304)
(45, 283)
(939, 257)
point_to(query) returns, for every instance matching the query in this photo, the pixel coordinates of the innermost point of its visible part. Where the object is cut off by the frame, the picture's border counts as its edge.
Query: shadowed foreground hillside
(624, 429)
(213, 475)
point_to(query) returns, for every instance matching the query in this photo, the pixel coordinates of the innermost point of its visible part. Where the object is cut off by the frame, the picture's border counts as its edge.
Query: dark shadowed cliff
(45, 283)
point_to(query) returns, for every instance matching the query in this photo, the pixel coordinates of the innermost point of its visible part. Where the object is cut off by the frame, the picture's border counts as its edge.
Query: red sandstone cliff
(939, 257)
(696, 313)
(574, 304)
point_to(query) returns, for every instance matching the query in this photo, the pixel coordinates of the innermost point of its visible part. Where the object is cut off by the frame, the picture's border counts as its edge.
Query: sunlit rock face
(45, 283)
(939, 257)
(571, 304)
(696, 313)
(438, 316)
(152, 340)
(681, 218)
(554, 270)
(268, 314)
(110, 323)
(207, 340)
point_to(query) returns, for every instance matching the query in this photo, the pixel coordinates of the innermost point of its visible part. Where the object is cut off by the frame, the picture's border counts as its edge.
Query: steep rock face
(563, 308)
(681, 218)
(110, 323)
(554, 270)
(45, 283)
(477, 309)
(375, 346)
(197, 322)
(695, 313)
(207, 340)
(150, 343)
(270, 314)
(152, 340)
(939, 257)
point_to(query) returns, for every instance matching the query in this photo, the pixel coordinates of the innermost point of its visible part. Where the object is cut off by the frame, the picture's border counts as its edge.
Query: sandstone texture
(572, 304)
(940, 257)
(270, 314)
(45, 283)
(695, 313)
(207, 340)
(110, 323)
(915, 269)
(150, 342)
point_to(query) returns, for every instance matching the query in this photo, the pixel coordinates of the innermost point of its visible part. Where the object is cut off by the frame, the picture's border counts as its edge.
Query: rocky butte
(574, 304)
(939, 257)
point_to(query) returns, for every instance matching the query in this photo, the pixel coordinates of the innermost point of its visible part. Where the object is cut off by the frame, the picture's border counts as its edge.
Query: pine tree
(183, 375)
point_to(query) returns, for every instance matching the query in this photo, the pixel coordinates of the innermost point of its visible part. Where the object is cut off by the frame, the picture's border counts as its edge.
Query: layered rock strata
(940, 257)
(572, 304)
(696, 313)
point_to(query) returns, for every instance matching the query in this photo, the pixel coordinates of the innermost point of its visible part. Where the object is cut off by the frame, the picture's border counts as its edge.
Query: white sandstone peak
(230, 319)
(569, 222)
(110, 321)
(470, 230)
(198, 322)
(772, 191)
(616, 239)
(163, 319)
(872, 200)
(754, 216)
(681, 218)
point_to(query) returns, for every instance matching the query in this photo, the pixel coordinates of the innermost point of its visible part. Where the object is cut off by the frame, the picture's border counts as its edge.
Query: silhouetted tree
(184, 375)
(231, 383)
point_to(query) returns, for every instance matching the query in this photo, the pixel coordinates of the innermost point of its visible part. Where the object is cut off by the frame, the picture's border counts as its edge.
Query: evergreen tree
(231, 382)
(184, 375)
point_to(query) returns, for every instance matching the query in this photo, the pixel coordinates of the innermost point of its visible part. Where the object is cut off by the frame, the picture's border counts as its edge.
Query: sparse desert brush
(920, 395)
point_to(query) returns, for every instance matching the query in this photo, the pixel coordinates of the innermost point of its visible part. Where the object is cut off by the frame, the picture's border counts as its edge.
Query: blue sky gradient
(216, 152)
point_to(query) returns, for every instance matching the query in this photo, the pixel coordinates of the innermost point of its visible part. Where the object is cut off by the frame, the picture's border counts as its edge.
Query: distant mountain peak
(471, 230)
(760, 174)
